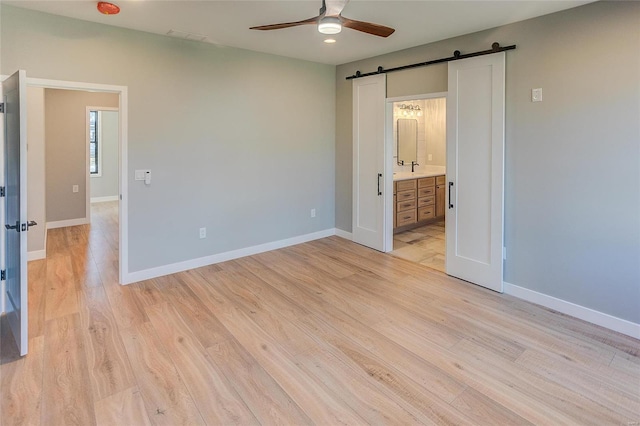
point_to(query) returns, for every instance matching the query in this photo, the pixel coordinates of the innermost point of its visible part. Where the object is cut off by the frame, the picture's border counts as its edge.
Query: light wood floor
(326, 332)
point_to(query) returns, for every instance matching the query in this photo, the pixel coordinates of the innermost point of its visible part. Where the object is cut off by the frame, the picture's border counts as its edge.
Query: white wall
(106, 185)
(36, 239)
(239, 142)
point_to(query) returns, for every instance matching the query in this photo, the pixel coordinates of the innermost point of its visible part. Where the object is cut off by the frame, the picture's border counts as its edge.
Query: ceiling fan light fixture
(329, 25)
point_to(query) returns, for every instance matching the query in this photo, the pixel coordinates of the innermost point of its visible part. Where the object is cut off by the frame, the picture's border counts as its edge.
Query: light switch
(75, 188)
(536, 95)
(430, 157)
(141, 174)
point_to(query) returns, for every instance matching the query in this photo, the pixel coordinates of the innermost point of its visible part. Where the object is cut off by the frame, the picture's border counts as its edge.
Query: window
(94, 144)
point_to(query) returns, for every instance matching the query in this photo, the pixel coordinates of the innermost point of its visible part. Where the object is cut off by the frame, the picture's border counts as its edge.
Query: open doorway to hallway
(73, 170)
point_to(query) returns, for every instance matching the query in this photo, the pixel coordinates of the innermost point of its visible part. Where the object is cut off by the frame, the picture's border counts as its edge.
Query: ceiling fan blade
(309, 21)
(367, 27)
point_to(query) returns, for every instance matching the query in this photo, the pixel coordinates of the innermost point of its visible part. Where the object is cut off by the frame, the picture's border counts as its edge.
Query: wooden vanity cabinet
(416, 201)
(441, 185)
(406, 202)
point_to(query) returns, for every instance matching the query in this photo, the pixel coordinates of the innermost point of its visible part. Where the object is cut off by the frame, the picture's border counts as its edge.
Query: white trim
(173, 268)
(104, 199)
(36, 255)
(123, 121)
(587, 314)
(435, 95)
(344, 234)
(68, 222)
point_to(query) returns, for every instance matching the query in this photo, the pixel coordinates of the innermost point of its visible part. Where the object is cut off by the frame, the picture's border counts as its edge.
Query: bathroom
(419, 158)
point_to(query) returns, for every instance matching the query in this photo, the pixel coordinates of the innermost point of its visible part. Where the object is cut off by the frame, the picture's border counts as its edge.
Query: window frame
(98, 142)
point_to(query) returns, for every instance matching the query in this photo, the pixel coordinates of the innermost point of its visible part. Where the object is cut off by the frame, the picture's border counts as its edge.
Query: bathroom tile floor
(424, 245)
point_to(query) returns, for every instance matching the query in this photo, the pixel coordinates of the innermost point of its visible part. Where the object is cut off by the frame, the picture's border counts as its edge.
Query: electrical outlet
(313, 212)
(430, 157)
(203, 233)
(536, 95)
(75, 188)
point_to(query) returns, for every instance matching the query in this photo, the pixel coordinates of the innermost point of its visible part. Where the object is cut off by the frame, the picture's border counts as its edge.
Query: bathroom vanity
(418, 198)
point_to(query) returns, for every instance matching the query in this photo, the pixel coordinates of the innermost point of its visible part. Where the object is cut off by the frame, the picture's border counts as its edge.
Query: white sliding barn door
(475, 170)
(369, 193)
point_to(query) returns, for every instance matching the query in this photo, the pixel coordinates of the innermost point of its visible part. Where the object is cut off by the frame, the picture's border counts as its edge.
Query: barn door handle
(16, 227)
(450, 204)
(379, 176)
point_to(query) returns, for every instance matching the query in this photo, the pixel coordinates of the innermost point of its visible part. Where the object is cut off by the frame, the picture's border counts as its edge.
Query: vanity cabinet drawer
(430, 181)
(440, 180)
(406, 195)
(406, 218)
(427, 192)
(425, 213)
(404, 185)
(406, 205)
(426, 201)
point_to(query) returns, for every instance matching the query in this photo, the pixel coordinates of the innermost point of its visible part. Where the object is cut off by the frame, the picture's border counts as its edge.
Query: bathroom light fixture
(410, 110)
(329, 40)
(329, 25)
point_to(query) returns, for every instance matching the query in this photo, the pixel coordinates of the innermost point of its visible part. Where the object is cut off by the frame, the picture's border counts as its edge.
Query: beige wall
(36, 240)
(66, 144)
(572, 184)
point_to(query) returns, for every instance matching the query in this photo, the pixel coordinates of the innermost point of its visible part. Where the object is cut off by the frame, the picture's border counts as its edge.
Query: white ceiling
(227, 22)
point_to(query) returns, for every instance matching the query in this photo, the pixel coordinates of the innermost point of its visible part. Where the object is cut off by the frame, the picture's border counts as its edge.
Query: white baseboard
(36, 255)
(587, 314)
(69, 222)
(104, 199)
(173, 268)
(344, 234)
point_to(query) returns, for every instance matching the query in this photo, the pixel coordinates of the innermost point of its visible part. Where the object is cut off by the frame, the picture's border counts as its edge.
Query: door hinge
(1, 107)
(3, 275)
(2, 194)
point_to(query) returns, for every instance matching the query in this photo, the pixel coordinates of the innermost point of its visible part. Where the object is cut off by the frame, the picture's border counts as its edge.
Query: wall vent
(186, 35)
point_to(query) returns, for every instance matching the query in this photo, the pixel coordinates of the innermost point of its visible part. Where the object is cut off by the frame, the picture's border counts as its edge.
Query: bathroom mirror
(407, 141)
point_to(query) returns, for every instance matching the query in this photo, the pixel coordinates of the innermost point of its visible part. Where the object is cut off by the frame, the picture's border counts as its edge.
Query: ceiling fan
(331, 21)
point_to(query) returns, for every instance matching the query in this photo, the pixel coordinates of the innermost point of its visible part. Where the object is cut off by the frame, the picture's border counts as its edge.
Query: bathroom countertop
(418, 174)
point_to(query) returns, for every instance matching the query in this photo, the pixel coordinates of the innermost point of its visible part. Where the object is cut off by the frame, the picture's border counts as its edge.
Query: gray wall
(106, 185)
(66, 150)
(572, 192)
(239, 142)
(35, 173)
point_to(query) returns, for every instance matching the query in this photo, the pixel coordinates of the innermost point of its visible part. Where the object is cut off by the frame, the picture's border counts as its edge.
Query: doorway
(417, 133)
(119, 207)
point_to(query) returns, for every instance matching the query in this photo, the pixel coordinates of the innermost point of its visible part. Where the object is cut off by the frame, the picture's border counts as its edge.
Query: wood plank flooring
(326, 332)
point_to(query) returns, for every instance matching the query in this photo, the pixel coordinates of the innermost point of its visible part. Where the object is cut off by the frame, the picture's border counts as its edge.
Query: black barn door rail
(495, 48)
